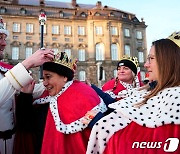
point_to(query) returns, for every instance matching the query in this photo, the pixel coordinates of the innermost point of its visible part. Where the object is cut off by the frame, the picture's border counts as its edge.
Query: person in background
(149, 115)
(127, 76)
(11, 80)
(113, 90)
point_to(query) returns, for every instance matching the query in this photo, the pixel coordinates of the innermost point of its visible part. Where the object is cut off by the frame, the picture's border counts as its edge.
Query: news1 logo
(170, 145)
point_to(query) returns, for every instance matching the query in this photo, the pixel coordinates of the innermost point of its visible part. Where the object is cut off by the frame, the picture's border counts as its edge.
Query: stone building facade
(97, 35)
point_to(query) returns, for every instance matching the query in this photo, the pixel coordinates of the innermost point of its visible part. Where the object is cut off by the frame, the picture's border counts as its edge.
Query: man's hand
(38, 58)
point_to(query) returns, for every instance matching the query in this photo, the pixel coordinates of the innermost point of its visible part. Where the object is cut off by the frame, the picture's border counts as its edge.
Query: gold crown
(63, 59)
(132, 59)
(175, 37)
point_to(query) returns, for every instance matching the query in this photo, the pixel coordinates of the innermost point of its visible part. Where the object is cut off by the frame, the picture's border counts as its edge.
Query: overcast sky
(161, 16)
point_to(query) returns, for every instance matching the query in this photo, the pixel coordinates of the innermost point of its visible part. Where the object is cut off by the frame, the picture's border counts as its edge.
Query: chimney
(73, 2)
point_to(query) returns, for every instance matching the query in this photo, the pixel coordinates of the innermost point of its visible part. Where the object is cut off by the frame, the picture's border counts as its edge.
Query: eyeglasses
(150, 58)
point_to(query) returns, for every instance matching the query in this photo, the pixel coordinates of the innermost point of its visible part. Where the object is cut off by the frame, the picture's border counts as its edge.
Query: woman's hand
(29, 88)
(89, 116)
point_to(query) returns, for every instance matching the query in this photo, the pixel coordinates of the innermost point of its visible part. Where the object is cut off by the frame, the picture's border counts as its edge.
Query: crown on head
(63, 59)
(132, 59)
(175, 37)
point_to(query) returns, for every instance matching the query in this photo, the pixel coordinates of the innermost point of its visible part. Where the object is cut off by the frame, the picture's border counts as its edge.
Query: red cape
(122, 141)
(110, 84)
(4, 67)
(72, 105)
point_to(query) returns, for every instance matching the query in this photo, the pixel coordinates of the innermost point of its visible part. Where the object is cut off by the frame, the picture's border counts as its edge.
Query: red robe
(110, 84)
(4, 67)
(122, 141)
(73, 104)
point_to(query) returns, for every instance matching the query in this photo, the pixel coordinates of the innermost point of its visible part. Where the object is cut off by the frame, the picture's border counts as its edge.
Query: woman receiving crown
(69, 100)
(148, 119)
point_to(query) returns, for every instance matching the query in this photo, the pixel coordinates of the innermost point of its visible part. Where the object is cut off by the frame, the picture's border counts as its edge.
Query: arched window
(83, 14)
(114, 52)
(3, 10)
(97, 14)
(61, 14)
(23, 11)
(100, 51)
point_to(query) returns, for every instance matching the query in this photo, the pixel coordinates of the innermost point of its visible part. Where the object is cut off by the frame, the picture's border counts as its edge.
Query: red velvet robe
(72, 105)
(122, 141)
(110, 84)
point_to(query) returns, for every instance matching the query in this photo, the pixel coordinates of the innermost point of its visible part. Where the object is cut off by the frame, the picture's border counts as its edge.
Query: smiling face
(151, 65)
(125, 74)
(53, 82)
(2, 44)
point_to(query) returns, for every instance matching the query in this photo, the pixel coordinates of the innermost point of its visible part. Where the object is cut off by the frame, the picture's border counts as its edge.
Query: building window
(23, 11)
(81, 54)
(15, 37)
(15, 53)
(115, 73)
(99, 30)
(45, 29)
(114, 52)
(82, 75)
(54, 38)
(141, 57)
(83, 14)
(67, 30)
(103, 75)
(55, 29)
(139, 35)
(143, 75)
(81, 30)
(61, 14)
(16, 27)
(127, 50)
(56, 50)
(68, 52)
(28, 52)
(80, 40)
(111, 14)
(29, 28)
(99, 51)
(67, 39)
(3, 10)
(28, 37)
(114, 30)
(97, 14)
(126, 32)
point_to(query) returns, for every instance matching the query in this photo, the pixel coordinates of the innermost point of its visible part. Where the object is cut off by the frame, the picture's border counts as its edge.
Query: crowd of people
(64, 115)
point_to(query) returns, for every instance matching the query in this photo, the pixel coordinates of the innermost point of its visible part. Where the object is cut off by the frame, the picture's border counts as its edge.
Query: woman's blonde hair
(167, 55)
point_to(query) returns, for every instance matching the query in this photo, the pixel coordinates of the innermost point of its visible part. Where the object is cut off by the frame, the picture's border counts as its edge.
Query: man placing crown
(11, 80)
